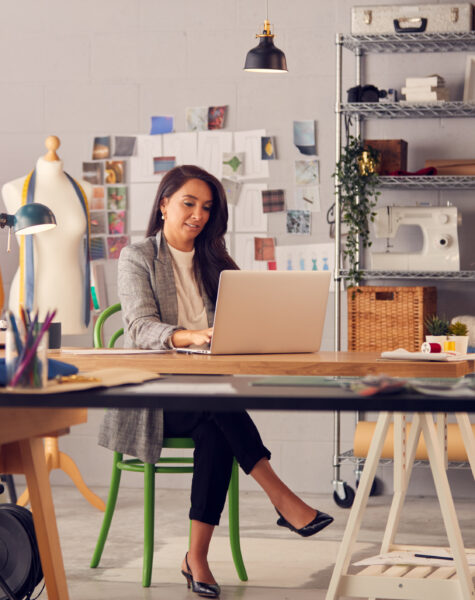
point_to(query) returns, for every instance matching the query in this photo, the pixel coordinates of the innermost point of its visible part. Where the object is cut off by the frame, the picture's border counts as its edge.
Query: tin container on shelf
(415, 18)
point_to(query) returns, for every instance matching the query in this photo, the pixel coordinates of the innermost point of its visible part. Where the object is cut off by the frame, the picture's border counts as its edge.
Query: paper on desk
(164, 387)
(407, 558)
(110, 351)
(402, 354)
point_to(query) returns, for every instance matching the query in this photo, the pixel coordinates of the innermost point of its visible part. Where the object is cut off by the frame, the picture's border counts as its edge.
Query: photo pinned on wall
(124, 145)
(163, 164)
(98, 198)
(232, 189)
(216, 116)
(233, 164)
(115, 244)
(305, 137)
(306, 172)
(298, 221)
(115, 171)
(268, 148)
(98, 222)
(264, 249)
(98, 248)
(101, 147)
(116, 220)
(307, 198)
(161, 124)
(93, 172)
(117, 198)
(196, 118)
(273, 201)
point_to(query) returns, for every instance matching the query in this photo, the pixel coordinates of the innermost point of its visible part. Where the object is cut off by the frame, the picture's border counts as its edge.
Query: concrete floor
(281, 565)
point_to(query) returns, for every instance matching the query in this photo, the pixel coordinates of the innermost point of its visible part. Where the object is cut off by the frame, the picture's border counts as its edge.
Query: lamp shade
(33, 218)
(265, 57)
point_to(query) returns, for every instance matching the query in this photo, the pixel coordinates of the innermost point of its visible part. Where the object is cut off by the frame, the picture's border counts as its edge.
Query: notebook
(267, 312)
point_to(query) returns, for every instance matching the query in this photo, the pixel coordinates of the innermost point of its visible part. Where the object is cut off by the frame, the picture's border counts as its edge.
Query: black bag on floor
(20, 565)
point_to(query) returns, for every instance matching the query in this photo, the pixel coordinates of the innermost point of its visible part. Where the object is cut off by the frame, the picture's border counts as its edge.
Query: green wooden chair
(164, 465)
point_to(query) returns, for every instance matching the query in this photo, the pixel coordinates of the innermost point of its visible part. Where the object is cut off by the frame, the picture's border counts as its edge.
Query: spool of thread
(431, 347)
(449, 346)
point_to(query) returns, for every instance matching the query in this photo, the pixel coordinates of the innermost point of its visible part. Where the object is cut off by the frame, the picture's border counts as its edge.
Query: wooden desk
(319, 363)
(22, 451)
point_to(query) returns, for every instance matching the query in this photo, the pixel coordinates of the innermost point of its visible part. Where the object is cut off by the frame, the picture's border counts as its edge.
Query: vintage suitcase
(374, 20)
(393, 155)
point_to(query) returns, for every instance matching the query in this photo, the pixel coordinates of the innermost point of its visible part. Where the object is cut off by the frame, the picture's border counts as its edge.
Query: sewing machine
(440, 251)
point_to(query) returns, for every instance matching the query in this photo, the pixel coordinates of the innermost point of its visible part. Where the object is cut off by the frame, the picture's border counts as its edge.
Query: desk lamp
(265, 57)
(28, 219)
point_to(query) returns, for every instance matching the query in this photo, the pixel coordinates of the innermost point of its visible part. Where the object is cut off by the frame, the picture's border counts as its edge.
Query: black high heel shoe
(320, 521)
(206, 590)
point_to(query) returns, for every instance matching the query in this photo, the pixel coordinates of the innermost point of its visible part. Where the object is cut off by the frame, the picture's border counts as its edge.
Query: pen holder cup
(34, 372)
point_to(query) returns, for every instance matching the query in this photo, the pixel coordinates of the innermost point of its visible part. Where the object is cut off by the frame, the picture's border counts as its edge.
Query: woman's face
(186, 212)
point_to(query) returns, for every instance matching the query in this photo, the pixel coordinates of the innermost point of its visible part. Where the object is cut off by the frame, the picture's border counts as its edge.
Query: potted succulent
(458, 332)
(437, 329)
(357, 179)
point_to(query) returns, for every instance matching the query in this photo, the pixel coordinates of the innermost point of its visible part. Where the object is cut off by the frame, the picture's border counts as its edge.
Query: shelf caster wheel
(376, 486)
(348, 496)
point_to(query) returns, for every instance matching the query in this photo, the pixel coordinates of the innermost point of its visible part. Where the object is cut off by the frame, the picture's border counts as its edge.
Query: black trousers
(218, 438)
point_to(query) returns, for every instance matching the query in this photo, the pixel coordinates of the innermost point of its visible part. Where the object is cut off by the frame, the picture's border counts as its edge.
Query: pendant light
(265, 57)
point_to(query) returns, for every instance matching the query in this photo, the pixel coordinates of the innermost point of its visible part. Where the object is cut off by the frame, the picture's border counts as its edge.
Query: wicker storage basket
(386, 318)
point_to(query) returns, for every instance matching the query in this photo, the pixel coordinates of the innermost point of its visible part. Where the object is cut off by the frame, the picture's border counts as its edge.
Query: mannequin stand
(55, 459)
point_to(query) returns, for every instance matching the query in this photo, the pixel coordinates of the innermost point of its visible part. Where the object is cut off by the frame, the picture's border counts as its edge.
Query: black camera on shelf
(365, 93)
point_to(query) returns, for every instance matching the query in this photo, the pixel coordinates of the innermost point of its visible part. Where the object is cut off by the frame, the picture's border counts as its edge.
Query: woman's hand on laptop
(187, 337)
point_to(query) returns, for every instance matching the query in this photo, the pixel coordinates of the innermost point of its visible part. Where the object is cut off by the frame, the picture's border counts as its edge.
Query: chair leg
(149, 523)
(109, 512)
(234, 538)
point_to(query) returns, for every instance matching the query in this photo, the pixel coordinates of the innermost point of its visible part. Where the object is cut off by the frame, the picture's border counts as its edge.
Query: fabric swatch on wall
(101, 147)
(273, 201)
(298, 221)
(124, 145)
(115, 245)
(264, 249)
(216, 117)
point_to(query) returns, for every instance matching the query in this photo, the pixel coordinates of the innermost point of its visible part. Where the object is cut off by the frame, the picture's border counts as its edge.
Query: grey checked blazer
(149, 302)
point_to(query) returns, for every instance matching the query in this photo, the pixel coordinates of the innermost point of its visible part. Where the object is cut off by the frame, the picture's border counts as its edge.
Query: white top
(191, 308)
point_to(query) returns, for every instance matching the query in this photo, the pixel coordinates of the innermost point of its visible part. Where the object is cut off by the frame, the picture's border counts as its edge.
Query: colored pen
(433, 556)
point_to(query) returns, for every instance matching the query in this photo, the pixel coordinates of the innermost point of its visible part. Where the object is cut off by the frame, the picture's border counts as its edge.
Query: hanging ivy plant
(358, 180)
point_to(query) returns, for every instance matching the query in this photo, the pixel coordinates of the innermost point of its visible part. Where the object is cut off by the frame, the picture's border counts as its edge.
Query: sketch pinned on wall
(244, 252)
(298, 221)
(196, 118)
(306, 257)
(124, 145)
(140, 166)
(232, 189)
(306, 198)
(101, 147)
(115, 243)
(116, 197)
(183, 146)
(249, 142)
(306, 172)
(97, 220)
(161, 124)
(211, 147)
(216, 116)
(264, 248)
(268, 148)
(233, 164)
(98, 198)
(248, 214)
(305, 137)
(116, 221)
(115, 171)
(273, 201)
(93, 172)
(163, 164)
(141, 199)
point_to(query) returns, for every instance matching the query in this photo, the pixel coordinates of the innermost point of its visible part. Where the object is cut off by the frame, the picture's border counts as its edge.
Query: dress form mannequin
(59, 271)
(59, 274)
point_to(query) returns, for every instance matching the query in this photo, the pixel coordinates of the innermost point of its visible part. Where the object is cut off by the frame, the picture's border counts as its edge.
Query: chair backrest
(98, 327)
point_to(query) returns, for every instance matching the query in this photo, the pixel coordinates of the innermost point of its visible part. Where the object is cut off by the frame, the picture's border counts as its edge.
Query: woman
(167, 287)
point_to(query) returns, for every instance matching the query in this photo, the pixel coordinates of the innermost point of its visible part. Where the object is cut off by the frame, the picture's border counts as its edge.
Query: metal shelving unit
(360, 111)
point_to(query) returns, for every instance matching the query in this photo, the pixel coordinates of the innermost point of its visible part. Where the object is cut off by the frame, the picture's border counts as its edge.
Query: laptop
(267, 312)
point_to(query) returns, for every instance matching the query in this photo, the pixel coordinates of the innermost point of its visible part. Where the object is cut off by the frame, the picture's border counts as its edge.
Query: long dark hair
(211, 256)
